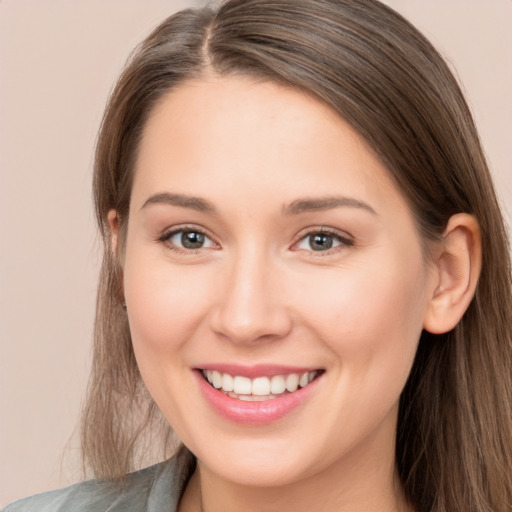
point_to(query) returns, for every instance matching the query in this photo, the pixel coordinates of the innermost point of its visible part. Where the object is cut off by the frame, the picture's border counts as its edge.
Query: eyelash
(168, 235)
(344, 241)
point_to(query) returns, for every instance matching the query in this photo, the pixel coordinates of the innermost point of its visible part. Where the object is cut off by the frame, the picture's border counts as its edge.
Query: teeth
(260, 388)
(216, 379)
(292, 382)
(253, 398)
(277, 385)
(242, 385)
(227, 382)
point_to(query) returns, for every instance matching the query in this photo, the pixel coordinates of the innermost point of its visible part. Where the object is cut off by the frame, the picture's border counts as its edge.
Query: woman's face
(268, 247)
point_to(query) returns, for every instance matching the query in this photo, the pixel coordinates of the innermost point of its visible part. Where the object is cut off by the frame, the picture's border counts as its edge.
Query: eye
(322, 241)
(188, 240)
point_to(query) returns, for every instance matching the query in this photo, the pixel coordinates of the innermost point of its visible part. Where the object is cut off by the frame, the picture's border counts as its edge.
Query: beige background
(58, 60)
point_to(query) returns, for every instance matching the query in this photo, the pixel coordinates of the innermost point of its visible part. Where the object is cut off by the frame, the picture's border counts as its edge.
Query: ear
(114, 225)
(456, 269)
(113, 222)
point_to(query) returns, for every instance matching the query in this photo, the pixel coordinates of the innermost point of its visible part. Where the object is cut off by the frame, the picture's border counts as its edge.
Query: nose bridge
(250, 306)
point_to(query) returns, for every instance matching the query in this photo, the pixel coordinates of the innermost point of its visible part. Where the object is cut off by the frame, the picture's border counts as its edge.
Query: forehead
(225, 134)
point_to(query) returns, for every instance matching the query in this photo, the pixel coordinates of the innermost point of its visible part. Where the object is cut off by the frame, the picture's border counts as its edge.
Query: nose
(250, 306)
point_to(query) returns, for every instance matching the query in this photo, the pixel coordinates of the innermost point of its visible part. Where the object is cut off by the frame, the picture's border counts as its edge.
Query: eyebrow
(194, 203)
(324, 203)
(294, 208)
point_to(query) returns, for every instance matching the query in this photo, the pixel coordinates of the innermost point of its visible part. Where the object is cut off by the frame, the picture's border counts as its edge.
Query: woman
(306, 271)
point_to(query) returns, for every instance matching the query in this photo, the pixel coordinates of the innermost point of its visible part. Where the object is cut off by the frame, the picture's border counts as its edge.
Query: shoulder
(152, 489)
(95, 496)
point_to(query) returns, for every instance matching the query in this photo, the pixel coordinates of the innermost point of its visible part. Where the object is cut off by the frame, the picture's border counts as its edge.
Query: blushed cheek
(366, 316)
(390, 337)
(164, 307)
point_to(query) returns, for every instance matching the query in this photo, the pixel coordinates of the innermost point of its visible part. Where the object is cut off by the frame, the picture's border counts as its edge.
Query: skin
(257, 292)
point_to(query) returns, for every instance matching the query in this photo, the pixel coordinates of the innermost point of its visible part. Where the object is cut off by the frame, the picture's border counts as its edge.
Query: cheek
(166, 304)
(371, 317)
(166, 309)
(371, 326)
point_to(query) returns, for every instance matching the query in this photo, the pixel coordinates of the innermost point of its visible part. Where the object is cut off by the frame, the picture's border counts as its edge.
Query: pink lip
(253, 413)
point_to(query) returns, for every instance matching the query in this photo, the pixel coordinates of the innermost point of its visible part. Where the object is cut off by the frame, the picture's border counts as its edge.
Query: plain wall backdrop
(58, 62)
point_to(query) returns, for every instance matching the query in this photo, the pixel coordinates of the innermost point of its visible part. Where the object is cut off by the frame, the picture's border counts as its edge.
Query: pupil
(320, 242)
(192, 240)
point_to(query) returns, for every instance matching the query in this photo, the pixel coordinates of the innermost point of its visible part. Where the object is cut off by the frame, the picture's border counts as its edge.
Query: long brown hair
(454, 439)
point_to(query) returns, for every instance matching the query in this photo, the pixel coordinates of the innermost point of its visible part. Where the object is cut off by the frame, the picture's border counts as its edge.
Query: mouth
(261, 388)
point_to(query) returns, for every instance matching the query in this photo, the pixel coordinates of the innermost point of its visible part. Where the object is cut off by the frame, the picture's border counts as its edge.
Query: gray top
(154, 489)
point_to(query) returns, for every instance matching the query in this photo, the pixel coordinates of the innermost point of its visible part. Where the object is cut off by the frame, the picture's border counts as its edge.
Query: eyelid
(347, 240)
(167, 234)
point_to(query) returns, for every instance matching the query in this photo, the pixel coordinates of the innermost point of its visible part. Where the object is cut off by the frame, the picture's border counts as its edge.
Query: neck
(318, 494)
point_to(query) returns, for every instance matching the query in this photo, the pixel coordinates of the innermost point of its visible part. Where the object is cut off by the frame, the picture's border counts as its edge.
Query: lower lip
(254, 413)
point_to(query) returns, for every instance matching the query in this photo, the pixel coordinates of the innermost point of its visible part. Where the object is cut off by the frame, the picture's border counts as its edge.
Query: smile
(259, 388)
(257, 395)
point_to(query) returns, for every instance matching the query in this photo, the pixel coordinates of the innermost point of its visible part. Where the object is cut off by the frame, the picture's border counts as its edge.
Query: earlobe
(456, 270)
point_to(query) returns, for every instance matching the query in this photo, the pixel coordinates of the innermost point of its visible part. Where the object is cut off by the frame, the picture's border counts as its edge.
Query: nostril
(251, 330)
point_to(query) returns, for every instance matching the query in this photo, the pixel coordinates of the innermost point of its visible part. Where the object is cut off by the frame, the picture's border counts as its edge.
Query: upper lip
(258, 370)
